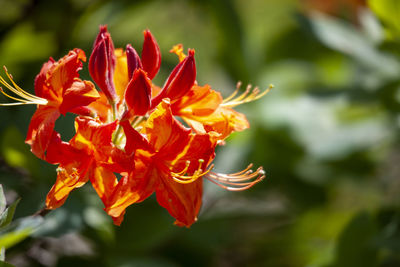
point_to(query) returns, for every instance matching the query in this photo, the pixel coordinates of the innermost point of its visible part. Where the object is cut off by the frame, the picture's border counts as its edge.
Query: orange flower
(129, 128)
(89, 155)
(170, 162)
(58, 91)
(206, 111)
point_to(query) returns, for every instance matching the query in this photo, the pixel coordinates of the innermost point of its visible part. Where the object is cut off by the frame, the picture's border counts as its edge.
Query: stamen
(187, 179)
(26, 98)
(238, 85)
(238, 181)
(247, 96)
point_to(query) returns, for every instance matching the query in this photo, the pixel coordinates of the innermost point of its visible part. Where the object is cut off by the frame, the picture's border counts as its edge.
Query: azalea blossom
(126, 126)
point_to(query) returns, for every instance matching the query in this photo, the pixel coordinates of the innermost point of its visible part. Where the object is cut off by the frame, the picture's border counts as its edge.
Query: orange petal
(223, 121)
(92, 135)
(121, 77)
(104, 182)
(135, 187)
(199, 101)
(166, 135)
(68, 178)
(183, 201)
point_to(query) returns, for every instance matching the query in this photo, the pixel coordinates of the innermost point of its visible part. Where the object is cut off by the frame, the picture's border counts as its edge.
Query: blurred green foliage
(328, 135)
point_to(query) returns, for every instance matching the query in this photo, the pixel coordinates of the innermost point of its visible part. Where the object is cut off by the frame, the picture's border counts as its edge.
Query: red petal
(138, 93)
(201, 146)
(151, 56)
(80, 93)
(134, 140)
(41, 129)
(56, 77)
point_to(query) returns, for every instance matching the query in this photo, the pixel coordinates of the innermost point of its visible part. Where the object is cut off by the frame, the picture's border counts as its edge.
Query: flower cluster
(129, 127)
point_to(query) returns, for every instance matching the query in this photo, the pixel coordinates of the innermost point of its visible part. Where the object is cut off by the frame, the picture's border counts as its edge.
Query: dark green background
(327, 135)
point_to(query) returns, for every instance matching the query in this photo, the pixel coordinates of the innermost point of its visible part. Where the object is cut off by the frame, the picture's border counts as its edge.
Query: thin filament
(238, 181)
(247, 96)
(25, 97)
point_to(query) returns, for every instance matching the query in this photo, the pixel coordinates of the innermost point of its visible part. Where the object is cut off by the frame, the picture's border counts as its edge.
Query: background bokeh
(327, 135)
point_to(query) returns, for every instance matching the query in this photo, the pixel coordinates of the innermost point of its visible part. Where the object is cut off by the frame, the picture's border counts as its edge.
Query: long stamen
(25, 97)
(238, 85)
(238, 181)
(247, 96)
(187, 179)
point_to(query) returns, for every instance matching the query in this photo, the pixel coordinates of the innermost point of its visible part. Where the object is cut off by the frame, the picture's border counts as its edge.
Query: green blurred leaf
(388, 11)
(2, 254)
(5, 264)
(8, 214)
(355, 246)
(19, 230)
(346, 38)
(24, 44)
(2, 200)
(16, 153)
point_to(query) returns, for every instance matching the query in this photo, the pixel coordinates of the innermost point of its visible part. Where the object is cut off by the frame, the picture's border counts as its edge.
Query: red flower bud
(133, 60)
(151, 56)
(102, 63)
(138, 93)
(179, 82)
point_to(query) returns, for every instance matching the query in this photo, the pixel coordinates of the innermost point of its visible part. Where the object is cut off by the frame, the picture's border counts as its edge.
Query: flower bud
(179, 82)
(133, 60)
(138, 93)
(151, 56)
(102, 63)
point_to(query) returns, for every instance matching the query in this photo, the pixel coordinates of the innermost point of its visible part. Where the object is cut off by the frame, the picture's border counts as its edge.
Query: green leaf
(8, 214)
(355, 246)
(2, 200)
(5, 264)
(388, 11)
(19, 230)
(347, 39)
(2, 254)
